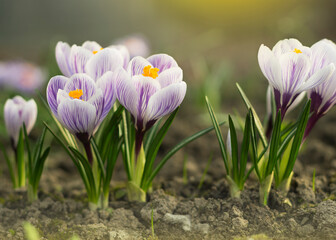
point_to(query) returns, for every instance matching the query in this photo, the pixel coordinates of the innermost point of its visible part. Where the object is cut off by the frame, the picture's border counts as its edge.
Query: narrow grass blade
(30, 163)
(255, 116)
(20, 161)
(244, 150)
(99, 160)
(234, 150)
(9, 164)
(298, 139)
(274, 145)
(218, 134)
(173, 151)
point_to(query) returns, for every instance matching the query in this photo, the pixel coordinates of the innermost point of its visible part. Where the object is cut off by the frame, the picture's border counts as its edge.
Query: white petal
(136, 66)
(270, 67)
(107, 85)
(318, 78)
(91, 46)
(29, 114)
(165, 101)
(103, 61)
(162, 62)
(77, 116)
(170, 76)
(62, 53)
(78, 59)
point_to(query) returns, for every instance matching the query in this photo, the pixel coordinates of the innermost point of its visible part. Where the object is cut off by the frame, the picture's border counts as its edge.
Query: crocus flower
(90, 58)
(150, 89)
(323, 97)
(80, 103)
(136, 44)
(16, 112)
(287, 67)
(22, 76)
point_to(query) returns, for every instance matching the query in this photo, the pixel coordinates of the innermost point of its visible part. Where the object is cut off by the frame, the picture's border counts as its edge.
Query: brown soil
(180, 209)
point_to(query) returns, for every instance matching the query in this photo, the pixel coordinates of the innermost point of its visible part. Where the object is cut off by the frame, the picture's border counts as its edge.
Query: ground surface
(180, 209)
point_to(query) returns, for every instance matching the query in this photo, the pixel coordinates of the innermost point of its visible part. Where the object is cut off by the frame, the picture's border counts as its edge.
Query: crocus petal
(105, 60)
(125, 91)
(78, 59)
(29, 115)
(286, 45)
(170, 76)
(297, 101)
(165, 101)
(318, 78)
(294, 68)
(162, 62)
(124, 53)
(270, 66)
(84, 82)
(13, 120)
(145, 87)
(62, 53)
(106, 84)
(136, 66)
(77, 116)
(98, 102)
(55, 83)
(91, 46)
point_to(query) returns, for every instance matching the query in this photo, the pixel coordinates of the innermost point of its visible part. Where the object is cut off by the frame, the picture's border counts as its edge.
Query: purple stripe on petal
(84, 82)
(145, 87)
(107, 85)
(62, 53)
(162, 62)
(77, 116)
(78, 59)
(125, 91)
(55, 83)
(136, 66)
(165, 101)
(170, 76)
(104, 61)
(98, 102)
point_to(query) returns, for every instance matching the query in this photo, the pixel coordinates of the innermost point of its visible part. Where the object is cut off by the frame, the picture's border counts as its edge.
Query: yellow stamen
(76, 93)
(297, 50)
(94, 52)
(148, 71)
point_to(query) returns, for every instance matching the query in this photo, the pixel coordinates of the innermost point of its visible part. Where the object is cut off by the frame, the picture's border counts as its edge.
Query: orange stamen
(148, 71)
(76, 94)
(94, 52)
(297, 50)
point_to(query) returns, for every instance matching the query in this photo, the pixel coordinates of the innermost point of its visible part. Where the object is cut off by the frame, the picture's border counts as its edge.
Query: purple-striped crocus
(23, 76)
(90, 58)
(81, 103)
(323, 97)
(16, 112)
(150, 89)
(287, 67)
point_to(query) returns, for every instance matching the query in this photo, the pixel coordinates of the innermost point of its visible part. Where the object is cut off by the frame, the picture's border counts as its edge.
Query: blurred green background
(214, 41)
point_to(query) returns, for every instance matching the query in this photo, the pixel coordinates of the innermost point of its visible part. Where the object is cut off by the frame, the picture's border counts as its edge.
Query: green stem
(32, 193)
(264, 189)
(284, 186)
(235, 191)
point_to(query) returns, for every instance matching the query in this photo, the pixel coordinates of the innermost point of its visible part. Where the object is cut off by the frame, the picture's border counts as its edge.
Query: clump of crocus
(20, 117)
(291, 69)
(323, 97)
(150, 89)
(79, 102)
(22, 76)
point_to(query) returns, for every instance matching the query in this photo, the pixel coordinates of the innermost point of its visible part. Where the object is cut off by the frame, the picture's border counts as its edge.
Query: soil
(182, 210)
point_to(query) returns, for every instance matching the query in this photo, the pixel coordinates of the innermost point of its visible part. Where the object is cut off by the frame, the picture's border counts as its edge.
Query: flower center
(76, 94)
(297, 50)
(94, 52)
(148, 71)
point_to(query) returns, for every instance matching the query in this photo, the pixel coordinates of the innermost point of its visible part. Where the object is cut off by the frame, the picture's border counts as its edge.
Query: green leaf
(39, 167)
(99, 160)
(234, 150)
(30, 164)
(274, 145)
(254, 143)
(172, 152)
(218, 134)
(156, 143)
(150, 136)
(255, 116)
(9, 164)
(20, 161)
(298, 139)
(245, 149)
(87, 168)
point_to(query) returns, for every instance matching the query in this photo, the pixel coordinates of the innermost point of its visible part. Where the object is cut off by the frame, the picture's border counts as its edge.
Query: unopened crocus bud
(16, 112)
